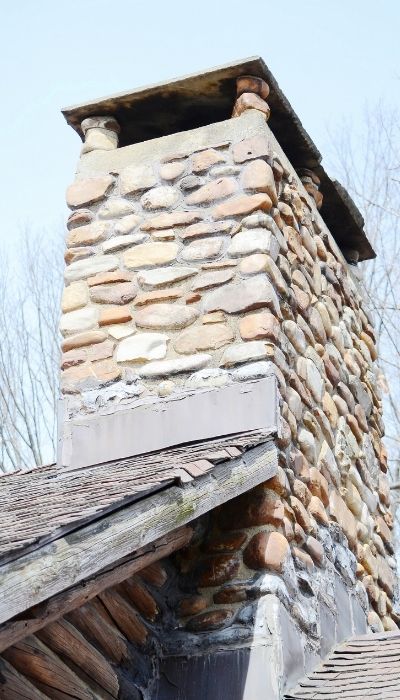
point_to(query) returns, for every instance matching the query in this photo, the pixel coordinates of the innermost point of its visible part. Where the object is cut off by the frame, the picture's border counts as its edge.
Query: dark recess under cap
(207, 97)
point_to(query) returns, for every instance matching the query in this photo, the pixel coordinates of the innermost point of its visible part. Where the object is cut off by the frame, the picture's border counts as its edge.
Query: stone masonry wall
(203, 260)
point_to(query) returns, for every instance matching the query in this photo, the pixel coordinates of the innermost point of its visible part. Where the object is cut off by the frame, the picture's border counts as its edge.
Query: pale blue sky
(330, 58)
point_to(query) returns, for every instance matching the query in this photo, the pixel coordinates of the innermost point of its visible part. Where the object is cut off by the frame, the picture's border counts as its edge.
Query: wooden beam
(62, 564)
(41, 615)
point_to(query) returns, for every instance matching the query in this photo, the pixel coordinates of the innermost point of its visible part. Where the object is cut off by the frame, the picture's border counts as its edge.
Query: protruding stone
(80, 320)
(253, 293)
(267, 550)
(109, 278)
(168, 316)
(75, 296)
(251, 148)
(114, 314)
(214, 278)
(114, 293)
(245, 352)
(158, 295)
(256, 240)
(176, 218)
(127, 224)
(117, 243)
(205, 228)
(242, 205)
(250, 101)
(114, 208)
(161, 197)
(212, 191)
(218, 569)
(142, 347)
(83, 339)
(84, 192)
(257, 176)
(204, 160)
(176, 366)
(150, 255)
(82, 269)
(258, 326)
(203, 249)
(171, 171)
(136, 178)
(170, 275)
(200, 338)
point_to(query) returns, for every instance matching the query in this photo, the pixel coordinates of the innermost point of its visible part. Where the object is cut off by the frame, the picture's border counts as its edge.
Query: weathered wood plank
(93, 623)
(48, 502)
(66, 601)
(68, 643)
(65, 562)
(14, 686)
(45, 670)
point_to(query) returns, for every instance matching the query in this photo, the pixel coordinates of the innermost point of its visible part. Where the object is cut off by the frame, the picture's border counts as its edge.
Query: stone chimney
(208, 251)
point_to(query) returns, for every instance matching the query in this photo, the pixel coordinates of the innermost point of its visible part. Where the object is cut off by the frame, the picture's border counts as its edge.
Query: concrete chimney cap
(207, 97)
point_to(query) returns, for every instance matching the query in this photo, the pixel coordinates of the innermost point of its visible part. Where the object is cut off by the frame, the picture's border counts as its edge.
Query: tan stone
(248, 149)
(142, 347)
(258, 176)
(106, 370)
(113, 293)
(214, 317)
(302, 560)
(114, 314)
(82, 339)
(267, 550)
(150, 255)
(204, 160)
(108, 278)
(256, 240)
(205, 228)
(176, 218)
(241, 205)
(171, 171)
(88, 235)
(83, 192)
(80, 320)
(244, 352)
(100, 351)
(212, 191)
(213, 278)
(301, 514)
(82, 269)
(383, 531)
(162, 368)
(168, 275)
(253, 264)
(253, 293)
(162, 197)
(158, 295)
(127, 224)
(201, 338)
(136, 178)
(116, 243)
(317, 510)
(248, 100)
(259, 325)
(202, 249)
(120, 331)
(73, 254)
(319, 486)
(168, 316)
(316, 550)
(80, 217)
(75, 296)
(114, 208)
(343, 516)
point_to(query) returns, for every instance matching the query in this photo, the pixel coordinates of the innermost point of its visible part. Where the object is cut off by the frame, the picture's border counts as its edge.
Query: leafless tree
(367, 161)
(30, 288)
